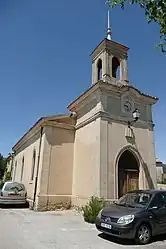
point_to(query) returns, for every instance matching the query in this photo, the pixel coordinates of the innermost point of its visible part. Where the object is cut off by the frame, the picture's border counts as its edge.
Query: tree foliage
(7, 175)
(3, 163)
(155, 11)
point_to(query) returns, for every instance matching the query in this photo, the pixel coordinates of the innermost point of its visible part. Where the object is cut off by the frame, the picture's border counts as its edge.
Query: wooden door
(128, 181)
(122, 182)
(132, 180)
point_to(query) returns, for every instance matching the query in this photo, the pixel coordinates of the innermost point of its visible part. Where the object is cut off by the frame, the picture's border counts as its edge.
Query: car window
(14, 186)
(159, 201)
(122, 200)
(140, 199)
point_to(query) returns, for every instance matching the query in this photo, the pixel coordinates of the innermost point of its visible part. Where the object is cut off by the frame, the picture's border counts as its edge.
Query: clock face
(127, 105)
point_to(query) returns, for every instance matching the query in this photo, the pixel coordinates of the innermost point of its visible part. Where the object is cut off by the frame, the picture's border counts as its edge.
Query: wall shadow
(132, 140)
(125, 242)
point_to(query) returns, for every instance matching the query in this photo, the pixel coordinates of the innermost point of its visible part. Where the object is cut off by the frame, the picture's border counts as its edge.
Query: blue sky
(45, 63)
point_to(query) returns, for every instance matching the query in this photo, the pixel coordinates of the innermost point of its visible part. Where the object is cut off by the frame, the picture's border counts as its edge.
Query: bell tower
(114, 148)
(109, 58)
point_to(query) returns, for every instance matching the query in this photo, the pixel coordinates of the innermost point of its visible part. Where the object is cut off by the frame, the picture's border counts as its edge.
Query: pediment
(115, 90)
(137, 95)
(132, 96)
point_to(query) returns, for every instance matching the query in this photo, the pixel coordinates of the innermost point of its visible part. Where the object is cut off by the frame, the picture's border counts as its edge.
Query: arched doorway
(128, 173)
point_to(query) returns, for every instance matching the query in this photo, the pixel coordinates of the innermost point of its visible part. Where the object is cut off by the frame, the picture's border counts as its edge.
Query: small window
(22, 169)
(33, 165)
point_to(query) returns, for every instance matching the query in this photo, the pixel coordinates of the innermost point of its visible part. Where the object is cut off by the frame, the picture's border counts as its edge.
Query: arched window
(115, 68)
(22, 169)
(99, 69)
(33, 165)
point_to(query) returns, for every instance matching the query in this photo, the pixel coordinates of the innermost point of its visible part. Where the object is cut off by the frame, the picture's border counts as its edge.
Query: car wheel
(143, 235)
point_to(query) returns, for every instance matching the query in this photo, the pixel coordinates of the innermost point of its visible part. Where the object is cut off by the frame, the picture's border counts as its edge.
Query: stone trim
(39, 123)
(87, 121)
(37, 128)
(112, 118)
(138, 157)
(24, 140)
(59, 125)
(111, 45)
(83, 97)
(117, 89)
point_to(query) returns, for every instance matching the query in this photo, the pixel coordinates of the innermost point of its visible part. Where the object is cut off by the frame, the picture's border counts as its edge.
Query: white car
(13, 193)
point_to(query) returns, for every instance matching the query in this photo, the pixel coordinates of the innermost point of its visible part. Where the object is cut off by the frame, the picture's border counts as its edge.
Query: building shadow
(115, 240)
(127, 242)
(132, 141)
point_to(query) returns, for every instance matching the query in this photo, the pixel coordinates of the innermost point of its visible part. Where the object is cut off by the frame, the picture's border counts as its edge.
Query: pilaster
(103, 158)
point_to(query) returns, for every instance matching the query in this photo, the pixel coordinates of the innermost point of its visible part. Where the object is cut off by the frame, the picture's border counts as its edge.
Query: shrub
(162, 181)
(92, 208)
(7, 176)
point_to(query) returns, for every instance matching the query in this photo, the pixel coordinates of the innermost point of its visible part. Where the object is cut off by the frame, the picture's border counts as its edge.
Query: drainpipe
(37, 171)
(12, 163)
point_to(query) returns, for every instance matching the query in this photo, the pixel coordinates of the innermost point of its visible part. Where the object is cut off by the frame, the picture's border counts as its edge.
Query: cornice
(110, 89)
(98, 54)
(88, 120)
(24, 140)
(36, 128)
(110, 46)
(73, 106)
(114, 119)
(120, 89)
(59, 125)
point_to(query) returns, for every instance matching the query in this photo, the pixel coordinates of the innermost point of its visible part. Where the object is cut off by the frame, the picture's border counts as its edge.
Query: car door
(158, 209)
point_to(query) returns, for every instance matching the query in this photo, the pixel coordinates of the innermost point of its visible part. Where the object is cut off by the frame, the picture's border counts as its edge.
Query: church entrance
(128, 173)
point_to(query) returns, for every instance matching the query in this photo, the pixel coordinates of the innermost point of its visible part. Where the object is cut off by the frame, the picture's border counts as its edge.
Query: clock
(127, 105)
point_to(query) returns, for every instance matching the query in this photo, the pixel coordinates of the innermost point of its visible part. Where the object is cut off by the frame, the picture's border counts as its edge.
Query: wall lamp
(136, 115)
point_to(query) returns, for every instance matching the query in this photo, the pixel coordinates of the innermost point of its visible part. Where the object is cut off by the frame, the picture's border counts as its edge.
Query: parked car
(13, 193)
(138, 215)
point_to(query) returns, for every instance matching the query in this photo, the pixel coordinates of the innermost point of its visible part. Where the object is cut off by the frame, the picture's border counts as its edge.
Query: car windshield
(14, 186)
(135, 199)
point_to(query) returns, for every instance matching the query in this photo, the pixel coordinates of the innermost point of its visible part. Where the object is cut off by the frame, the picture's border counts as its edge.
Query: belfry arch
(99, 69)
(115, 67)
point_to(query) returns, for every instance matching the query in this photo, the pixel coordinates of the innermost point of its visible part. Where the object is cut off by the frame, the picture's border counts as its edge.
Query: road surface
(26, 229)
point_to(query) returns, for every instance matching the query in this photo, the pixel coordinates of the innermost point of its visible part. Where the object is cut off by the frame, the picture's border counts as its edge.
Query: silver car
(13, 193)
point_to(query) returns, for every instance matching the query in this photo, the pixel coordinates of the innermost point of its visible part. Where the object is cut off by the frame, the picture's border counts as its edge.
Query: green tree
(155, 11)
(7, 175)
(3, 163)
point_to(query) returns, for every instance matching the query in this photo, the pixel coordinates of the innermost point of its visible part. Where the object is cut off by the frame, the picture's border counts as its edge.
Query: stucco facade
(51, 167)
(101, 138)
(95, 150)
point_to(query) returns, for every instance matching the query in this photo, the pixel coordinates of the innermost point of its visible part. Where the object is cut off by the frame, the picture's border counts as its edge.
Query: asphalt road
(25, 229)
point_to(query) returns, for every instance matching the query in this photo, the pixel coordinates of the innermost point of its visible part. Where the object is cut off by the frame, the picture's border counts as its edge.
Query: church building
(104, 147)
